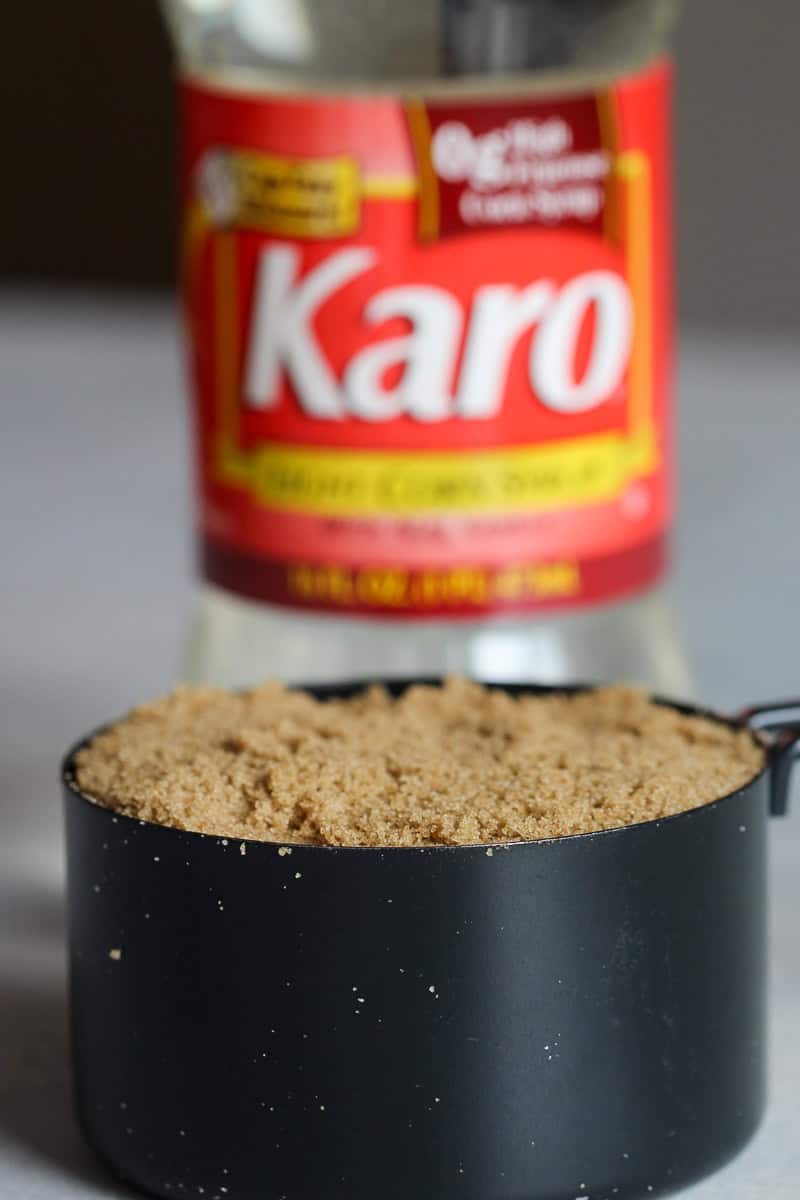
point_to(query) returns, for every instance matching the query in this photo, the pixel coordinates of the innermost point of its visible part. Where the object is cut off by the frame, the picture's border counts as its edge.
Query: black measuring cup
(576, 1017)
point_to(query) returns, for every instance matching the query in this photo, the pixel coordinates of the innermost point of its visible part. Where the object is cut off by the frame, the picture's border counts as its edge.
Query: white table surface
(96, 562)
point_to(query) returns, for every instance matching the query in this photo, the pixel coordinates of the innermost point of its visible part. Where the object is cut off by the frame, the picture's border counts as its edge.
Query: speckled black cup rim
(738, 724)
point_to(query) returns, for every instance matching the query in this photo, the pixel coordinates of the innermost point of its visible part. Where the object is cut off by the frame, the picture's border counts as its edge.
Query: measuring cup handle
(782, 719)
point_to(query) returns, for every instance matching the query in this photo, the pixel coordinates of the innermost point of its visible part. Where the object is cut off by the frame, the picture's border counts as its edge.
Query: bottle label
(430, 346)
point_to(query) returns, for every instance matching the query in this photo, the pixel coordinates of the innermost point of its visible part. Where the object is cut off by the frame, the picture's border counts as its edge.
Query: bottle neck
(324, 45)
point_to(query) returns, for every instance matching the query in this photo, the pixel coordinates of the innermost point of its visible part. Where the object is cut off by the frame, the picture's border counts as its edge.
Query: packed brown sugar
(446, 765)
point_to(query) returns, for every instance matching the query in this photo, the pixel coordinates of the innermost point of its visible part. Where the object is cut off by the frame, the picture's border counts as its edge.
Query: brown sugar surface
(446, 765)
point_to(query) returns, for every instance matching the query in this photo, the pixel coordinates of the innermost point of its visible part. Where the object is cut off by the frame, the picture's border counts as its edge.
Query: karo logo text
(283, 342)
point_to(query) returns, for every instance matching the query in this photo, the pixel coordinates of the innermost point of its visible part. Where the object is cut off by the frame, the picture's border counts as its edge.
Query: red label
(430, 346)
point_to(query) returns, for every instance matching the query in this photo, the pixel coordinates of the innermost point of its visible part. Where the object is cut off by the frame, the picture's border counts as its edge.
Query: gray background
(86, 127)
(739, 162)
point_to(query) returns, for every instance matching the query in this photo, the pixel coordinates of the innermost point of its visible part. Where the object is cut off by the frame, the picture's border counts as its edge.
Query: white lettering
(490, 165)
(520, 153)
(426, 356)
(552, 357)
(415, 372)
(282, 336)
(453, 152)
(500, 315)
